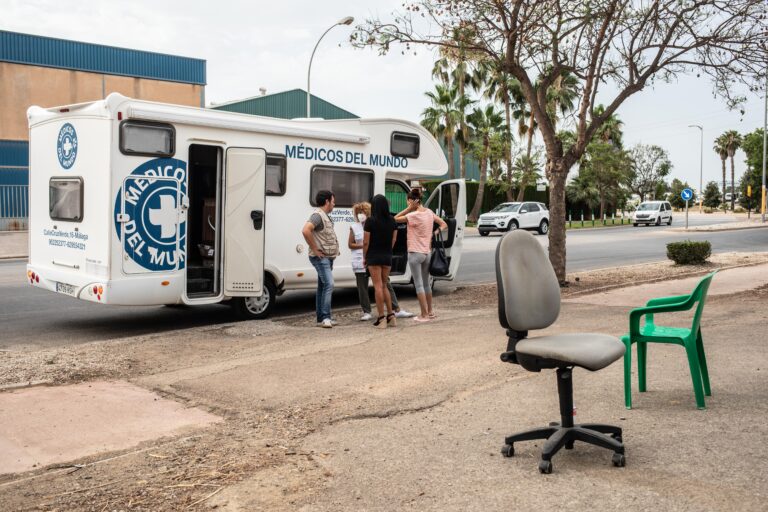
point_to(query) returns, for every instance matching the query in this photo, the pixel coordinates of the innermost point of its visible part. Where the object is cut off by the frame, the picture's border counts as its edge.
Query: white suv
(653, 212)
(509, 216)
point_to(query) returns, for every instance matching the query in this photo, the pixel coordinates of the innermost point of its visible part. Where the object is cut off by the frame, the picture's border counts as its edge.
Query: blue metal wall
(14, 162)
(96, 58)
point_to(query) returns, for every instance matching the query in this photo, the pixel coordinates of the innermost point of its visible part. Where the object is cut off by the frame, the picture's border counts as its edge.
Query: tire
(658, 221)
(669, 222)
(256, 308)
(482, 233)
(544, 227)
(634, 224)
(513, 225)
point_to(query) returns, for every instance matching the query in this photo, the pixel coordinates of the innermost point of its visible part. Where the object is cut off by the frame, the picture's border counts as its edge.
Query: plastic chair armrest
(661, 301)
(636, 314)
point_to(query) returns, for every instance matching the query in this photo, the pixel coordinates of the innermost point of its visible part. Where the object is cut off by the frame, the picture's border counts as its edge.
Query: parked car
(509, 216)
(653, 212)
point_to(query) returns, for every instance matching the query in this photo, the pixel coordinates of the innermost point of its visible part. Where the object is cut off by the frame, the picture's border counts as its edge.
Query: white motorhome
(141, 203)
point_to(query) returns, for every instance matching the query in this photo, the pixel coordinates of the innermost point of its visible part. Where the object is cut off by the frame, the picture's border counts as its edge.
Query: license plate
(65, 288)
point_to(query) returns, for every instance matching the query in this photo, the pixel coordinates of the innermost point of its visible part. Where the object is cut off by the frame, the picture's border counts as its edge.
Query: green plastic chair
(652, 333)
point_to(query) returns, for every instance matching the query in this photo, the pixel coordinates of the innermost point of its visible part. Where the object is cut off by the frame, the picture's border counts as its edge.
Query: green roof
(286, 105)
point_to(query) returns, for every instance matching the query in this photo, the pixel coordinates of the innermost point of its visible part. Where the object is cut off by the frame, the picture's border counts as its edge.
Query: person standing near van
(323, 249)
(420, 222)
(378, 241)
(360, 212)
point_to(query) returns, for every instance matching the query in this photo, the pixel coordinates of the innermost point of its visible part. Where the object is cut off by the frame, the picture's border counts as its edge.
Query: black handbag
(438, 261)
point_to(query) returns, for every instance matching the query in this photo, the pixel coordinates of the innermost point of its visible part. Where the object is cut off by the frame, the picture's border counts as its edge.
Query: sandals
(378, 323)
(432, 315)
(392, 320)
(421, 319)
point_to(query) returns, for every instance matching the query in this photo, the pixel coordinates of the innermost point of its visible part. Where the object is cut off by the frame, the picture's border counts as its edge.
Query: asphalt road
(32, 317)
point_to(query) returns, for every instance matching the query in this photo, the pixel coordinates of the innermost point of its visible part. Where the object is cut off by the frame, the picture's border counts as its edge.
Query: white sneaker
(334, 322)
(326, 324)
(404, 314)
(365, 317)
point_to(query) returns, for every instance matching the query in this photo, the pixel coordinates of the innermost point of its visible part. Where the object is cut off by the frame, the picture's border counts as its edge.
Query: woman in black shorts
(378, 240)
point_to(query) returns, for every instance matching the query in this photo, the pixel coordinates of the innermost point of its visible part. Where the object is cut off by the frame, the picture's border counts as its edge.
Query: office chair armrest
(636, 314)
(662, 301)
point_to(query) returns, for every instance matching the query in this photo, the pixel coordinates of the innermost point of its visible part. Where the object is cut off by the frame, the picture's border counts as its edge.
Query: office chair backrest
(529, 294)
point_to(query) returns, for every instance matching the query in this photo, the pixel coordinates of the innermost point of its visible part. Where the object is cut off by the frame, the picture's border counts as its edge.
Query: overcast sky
(253, 44)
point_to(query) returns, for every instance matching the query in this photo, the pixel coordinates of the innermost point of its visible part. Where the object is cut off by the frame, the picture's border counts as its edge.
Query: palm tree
(733, 142)
(581, 190)
(527, 169)
(453, 69)
(562, 95)
(485, 123)
(497, 85)
(442, 119)
(721, 148)
(610, 131)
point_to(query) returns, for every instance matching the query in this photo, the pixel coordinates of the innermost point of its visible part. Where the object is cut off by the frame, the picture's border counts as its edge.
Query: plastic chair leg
(693, 363)
(703, 364)
(627, 372)
(642, 352)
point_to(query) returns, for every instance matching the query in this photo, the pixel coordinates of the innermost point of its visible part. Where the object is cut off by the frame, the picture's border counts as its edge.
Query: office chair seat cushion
(592, 351)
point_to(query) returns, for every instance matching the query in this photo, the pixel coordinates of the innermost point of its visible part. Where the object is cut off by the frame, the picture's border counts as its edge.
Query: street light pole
(701, 165)
(343, 21)
(765, 126)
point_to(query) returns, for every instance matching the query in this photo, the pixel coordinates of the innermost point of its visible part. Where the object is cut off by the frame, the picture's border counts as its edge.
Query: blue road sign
(686, 194)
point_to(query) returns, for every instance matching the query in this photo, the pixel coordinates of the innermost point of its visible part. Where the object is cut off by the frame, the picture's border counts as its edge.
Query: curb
(740, 228)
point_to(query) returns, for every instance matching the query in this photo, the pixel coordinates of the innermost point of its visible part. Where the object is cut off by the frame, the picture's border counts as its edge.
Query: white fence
(14, 207)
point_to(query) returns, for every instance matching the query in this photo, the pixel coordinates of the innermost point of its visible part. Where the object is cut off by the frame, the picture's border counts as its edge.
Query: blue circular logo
(153, 231)
(66, 146)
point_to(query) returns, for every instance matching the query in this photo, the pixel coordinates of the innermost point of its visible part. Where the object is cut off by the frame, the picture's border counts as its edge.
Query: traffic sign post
(687, 195)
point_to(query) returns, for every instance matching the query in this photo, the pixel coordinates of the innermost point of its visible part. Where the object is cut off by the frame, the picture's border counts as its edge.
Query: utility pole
(765, 126)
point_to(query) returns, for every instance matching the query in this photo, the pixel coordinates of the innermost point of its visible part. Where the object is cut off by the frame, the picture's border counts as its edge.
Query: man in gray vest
(323, 249)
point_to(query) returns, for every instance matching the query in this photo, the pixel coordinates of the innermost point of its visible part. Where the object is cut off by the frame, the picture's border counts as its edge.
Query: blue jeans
(324, 268)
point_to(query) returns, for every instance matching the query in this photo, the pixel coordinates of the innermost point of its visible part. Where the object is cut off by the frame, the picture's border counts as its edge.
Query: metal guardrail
(14, 207)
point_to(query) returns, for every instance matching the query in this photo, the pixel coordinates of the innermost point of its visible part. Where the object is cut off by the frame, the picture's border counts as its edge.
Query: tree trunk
(462, 127)
(602, 206)
(557, 219)
(725, 204)
(733, 185)
(451, 167)
(475, 213)
(509, 153)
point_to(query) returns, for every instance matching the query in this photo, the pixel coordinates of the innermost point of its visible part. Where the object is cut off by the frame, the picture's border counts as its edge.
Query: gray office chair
(529, 298)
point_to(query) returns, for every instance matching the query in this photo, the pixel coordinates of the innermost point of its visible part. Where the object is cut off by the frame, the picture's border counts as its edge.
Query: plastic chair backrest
(699, 295)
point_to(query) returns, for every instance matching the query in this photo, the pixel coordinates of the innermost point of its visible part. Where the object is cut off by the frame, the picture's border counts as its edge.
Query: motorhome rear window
(349, 186)
(66, 199)
(404, 144)
(275, 175)
(150, 139)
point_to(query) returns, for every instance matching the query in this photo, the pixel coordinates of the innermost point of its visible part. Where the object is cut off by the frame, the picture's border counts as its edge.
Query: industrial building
(45, 71)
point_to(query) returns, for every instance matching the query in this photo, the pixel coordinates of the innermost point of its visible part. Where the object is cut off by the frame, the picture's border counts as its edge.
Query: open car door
(449, 201)
(244, 222)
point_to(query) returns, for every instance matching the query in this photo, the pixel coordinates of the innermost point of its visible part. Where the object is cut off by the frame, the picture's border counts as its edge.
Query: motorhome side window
(149, 139)
(65, 199)
(404, 144)
(276, 175)
(349, 186)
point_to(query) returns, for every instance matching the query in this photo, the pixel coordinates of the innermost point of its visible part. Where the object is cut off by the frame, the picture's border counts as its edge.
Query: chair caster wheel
(508, 450)
(545, 467)
(619, 460)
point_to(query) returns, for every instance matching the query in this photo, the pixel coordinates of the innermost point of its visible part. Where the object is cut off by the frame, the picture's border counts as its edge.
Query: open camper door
(245, 171)
(449, 201)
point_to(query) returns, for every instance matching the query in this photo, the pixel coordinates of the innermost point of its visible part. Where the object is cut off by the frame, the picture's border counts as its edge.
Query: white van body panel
(131, 245)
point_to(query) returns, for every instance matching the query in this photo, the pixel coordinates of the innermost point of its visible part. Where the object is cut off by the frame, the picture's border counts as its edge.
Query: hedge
(689, 252)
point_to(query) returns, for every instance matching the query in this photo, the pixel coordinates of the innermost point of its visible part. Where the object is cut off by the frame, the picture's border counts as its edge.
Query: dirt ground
(296, 403)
